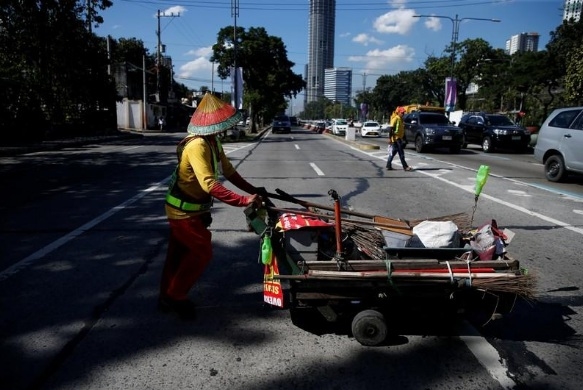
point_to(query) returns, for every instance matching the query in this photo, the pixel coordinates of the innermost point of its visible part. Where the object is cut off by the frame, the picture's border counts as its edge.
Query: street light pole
(455, 33)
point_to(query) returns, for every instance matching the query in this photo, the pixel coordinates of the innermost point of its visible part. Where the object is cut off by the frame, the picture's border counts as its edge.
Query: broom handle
(387, 226)
(284, 196)
(281, 195)
(337, 217)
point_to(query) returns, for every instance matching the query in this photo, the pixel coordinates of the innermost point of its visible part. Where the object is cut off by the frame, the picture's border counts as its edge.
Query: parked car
(560, 143)
(370, 128)
(493, 131)
(385, 128)
(293, 121)
(320, 126)
(281, 124)
(339, 126)
(429, 130)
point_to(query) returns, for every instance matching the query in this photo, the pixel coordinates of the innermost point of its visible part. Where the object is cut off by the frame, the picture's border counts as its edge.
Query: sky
(373, 37)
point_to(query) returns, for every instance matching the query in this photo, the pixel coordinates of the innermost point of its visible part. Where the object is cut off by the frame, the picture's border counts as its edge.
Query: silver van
(560, 143)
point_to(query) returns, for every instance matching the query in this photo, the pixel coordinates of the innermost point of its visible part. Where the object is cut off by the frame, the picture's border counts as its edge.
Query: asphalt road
(83, 238)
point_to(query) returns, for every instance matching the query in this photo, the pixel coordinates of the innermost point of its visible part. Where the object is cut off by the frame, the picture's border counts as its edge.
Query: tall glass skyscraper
(338, 85)
(320, 46)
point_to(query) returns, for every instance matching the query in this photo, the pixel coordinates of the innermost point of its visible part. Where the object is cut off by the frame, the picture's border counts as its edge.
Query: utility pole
(145, 96)
(454, 38)
(363, 82)
(234, 14)
(160, 49)
(89, 10)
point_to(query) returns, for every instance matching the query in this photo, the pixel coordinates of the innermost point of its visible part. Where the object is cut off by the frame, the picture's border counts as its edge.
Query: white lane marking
(20, 265)
(318, 170)
(132, 148)
(484, 352)
(512, 206)
(75, 233)
(297, 146)
(519, 193)
(487, 355)
(578, 212)
(470, 189)
(572, 195)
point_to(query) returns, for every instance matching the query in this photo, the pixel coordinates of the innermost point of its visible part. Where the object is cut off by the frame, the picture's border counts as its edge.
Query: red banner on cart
(272, 291)
(289, 221)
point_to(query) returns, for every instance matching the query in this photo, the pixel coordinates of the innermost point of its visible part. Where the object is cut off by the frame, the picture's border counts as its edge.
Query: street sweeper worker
(193, 186)
(396, 139)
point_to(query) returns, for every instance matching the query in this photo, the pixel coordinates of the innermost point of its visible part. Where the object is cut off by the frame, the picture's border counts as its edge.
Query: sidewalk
(15, 150)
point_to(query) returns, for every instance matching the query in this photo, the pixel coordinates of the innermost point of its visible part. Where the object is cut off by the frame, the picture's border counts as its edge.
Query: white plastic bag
(438, 234)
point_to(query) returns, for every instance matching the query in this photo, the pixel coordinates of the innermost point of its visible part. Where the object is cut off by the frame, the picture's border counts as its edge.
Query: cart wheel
(369, 327)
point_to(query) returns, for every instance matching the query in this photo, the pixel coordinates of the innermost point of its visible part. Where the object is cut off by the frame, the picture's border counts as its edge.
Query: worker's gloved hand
(255, 200)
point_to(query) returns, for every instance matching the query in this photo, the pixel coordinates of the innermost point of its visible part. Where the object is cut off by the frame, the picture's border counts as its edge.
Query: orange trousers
(189, 252)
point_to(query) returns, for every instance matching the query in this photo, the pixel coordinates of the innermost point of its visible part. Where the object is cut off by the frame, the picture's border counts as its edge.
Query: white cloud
(345, 35)
(365, 39)
(433, 23)
(200, 67)
(394, 58)
(398, 21)
(201, 52)
(176, 10)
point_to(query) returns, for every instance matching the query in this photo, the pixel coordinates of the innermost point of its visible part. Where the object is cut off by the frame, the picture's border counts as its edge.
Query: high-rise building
(572, 9)
(320, 46)
(338, 85)
(522, 42)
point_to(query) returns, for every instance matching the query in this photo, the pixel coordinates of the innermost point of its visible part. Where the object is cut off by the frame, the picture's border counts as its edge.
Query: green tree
(535, 75)
(317, 109)
(54, 67)
(269, 81)
(564, 46)
(472, 53)
(574, 77)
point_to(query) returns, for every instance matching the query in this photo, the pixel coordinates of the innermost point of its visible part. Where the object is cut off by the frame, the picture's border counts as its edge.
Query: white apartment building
(522, 42)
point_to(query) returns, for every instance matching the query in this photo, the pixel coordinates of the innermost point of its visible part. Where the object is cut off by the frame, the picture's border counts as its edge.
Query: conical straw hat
(213, 116)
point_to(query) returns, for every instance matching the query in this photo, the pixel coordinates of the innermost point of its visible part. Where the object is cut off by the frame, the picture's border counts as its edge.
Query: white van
(560, 143)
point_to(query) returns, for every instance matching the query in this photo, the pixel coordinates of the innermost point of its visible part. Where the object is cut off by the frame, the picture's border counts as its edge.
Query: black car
(493, 131)
(281, 124)
(429, 130)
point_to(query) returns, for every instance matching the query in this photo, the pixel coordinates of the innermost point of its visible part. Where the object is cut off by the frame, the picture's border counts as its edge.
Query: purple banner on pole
(363, 111)
(450, 94)
(237, 88)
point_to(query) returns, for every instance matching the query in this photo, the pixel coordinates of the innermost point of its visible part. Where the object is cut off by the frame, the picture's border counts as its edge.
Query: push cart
(336, 268)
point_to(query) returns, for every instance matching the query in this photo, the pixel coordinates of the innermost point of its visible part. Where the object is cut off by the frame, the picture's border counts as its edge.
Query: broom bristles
(522, 285)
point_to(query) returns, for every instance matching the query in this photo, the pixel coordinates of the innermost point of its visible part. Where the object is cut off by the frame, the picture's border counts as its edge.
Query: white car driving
(370, 128)
(339, 126)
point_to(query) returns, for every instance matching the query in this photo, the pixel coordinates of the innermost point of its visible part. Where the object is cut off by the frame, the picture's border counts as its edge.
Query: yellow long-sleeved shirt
(398, 128)
(196, 176)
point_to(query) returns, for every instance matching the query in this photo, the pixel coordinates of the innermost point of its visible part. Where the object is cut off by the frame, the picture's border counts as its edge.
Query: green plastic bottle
(266, 250)
(481, 178)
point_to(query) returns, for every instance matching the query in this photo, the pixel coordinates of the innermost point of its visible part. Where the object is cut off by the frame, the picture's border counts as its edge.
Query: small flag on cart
(272, 291)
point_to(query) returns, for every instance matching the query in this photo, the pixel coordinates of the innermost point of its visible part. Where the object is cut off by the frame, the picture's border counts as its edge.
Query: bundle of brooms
(517, 283)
